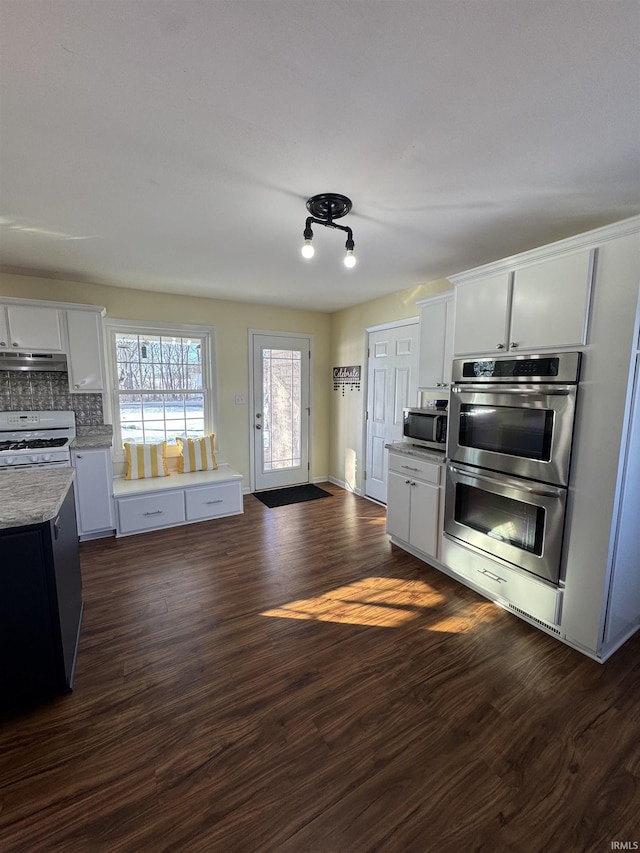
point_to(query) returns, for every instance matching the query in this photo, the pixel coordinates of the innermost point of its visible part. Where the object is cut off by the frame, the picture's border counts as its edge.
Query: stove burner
(33, 443)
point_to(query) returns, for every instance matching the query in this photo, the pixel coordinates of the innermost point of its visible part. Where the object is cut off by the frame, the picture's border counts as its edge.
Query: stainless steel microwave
(425, 427)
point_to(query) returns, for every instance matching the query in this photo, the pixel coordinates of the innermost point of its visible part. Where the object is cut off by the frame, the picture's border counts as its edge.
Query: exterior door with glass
(280, 410)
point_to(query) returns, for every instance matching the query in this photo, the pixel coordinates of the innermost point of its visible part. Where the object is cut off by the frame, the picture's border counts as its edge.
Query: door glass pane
(281, 408)
(505, 519)
(523, 432)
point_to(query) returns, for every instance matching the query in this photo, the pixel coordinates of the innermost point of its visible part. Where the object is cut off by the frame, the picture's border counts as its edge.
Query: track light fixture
(324, 208)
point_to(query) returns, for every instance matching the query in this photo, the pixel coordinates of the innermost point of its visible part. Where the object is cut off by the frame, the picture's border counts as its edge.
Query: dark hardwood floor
(286, 680)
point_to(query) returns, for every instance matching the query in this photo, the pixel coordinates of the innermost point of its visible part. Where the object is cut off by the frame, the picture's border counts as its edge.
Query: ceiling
(171, 145)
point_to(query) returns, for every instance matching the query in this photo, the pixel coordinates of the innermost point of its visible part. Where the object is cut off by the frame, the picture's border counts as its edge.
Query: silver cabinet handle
(155, 512)
(409, 468)
(499, 346)
(14, 344)
(3, 343)
(492, 576)
(218, 501)
(514, 345)
(258, 426)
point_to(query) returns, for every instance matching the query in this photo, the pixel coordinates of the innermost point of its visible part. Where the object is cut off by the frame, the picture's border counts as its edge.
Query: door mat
(291, 495)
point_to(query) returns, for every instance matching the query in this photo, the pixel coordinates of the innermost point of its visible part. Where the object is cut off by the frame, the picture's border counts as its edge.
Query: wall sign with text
(346, 377)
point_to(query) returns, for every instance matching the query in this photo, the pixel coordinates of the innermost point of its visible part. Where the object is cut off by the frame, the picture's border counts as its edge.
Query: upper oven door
(525, 431)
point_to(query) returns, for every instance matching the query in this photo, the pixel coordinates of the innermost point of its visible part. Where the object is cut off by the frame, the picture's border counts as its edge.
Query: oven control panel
(23, 418)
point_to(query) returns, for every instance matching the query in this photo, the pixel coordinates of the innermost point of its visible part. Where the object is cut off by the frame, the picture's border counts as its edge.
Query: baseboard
(343, 485)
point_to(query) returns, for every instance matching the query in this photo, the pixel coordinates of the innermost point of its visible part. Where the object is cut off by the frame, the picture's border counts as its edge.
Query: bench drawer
(149, 512)
(212, 501)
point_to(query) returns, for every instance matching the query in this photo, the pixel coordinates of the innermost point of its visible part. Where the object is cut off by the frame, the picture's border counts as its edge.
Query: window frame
(145, 327)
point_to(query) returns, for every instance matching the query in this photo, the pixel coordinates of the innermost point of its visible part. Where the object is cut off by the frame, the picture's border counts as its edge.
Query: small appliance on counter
(425, 427)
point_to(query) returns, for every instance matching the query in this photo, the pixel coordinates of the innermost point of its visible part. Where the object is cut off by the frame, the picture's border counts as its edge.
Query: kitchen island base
(40, 608)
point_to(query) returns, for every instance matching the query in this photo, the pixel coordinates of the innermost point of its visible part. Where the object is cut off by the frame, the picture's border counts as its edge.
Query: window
(162, 384)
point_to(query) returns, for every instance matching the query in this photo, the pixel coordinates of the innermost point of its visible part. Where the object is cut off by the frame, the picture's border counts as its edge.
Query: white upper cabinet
(436, 342)
(85, 351)
(63, 327)
(550, 305)
(481, 314)
(538, 306)
(30, 328)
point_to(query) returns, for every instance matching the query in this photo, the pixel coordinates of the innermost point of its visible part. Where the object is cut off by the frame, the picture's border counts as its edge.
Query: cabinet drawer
(411, 466)
(524, 593)
(150, 511)
(211, 501)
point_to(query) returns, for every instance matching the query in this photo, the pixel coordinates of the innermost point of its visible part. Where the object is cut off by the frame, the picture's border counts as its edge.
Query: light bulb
(307, 249)
(350, 259)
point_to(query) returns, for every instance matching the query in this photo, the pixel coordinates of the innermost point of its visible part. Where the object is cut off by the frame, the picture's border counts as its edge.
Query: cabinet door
(4, 329)
(436, 326)
(86, 351)
(398, 506)
(481, 313)
(94, 475)
(550, 303)
(30, 666)
(34, 329)
(424, 528)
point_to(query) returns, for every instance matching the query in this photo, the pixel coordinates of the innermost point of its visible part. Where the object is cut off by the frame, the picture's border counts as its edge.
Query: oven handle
(538, 390)
(548, 492)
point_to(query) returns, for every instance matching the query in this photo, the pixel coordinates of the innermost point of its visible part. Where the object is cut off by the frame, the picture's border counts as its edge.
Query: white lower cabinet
(413, 502)
(179, 499)
(94, 474)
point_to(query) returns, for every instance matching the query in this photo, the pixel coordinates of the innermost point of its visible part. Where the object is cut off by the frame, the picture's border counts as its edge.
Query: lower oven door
(515, 520)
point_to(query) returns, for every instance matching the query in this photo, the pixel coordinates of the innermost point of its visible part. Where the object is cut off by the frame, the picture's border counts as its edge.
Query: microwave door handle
(547, 492)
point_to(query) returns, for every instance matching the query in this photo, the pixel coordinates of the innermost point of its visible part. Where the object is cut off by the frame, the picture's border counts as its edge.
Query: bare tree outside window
(282, 394)
(161, 386)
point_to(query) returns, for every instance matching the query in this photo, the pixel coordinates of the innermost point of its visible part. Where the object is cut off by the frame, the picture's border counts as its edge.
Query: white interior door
(392, 384)
(280, 411)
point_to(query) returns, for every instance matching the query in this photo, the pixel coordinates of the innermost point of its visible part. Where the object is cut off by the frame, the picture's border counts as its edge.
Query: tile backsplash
(42, 391)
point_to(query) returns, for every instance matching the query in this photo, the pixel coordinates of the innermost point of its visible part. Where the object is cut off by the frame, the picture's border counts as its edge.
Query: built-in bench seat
(159, 502)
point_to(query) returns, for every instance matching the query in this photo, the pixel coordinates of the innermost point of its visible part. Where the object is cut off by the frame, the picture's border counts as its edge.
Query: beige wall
(339, 339)
(349, 346)
(231, 321)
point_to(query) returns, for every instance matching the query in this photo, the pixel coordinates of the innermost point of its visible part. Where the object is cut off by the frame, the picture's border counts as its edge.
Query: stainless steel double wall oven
(509, 447)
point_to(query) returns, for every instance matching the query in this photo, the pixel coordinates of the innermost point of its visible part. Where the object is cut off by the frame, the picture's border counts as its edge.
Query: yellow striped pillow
(145, 460)
(196, 454)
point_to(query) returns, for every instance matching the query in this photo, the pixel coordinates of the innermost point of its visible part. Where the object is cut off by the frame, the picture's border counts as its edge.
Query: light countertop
(33, 496)
(88, 437)
(415, 450)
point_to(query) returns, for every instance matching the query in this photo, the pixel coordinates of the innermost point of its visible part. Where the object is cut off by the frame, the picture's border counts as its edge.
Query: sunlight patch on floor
(376, 602)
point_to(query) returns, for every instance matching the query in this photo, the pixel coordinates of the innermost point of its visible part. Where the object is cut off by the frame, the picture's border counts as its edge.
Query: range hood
(33, 361)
